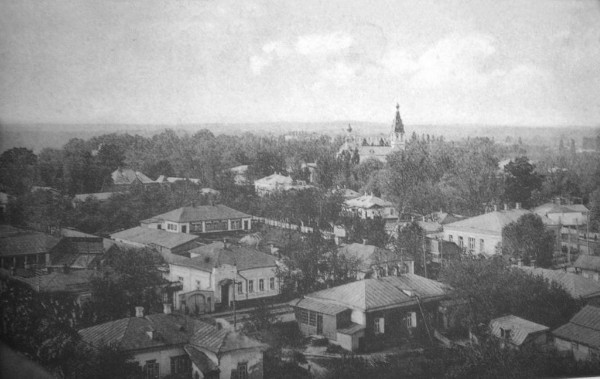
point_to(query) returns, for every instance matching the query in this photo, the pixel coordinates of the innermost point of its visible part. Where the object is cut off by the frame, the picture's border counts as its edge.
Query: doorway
(319, 324)
(225, 295)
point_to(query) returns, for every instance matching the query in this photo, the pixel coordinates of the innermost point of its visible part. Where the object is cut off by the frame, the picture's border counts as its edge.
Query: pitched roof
(274, 179)
(201, 213)
(74, 281)
(519, 328)
(551, 207)
(23, 242)
(222, 340)
(588, 262)
(372, 294)
(215, 254)
(100, 196)
(368, 201)
(201, 360)
(317, 305)
(583, 328)
(576, 285)
(492, 222)
(147, 236)
(128, 176)
(368, 255)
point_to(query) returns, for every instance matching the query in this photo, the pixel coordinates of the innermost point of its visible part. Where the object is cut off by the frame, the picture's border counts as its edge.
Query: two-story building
(174, 345)
(369, 206)
(200, 220)
(217, 274)
(371, 313)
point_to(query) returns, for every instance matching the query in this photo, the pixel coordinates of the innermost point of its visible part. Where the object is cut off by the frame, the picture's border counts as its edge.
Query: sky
(534, 63)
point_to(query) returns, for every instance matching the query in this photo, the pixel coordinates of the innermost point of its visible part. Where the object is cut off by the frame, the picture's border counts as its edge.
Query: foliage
(528, 239)
(103, 362)
(17, 170)
(521, 181)
(358, 229)
(409, 243)
(494, 289)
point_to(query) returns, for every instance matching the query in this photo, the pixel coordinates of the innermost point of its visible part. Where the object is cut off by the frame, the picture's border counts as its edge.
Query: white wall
(163, 358)
(190, 276)
(491, 240)
(253, 357)
(255, 275)
(358, 317)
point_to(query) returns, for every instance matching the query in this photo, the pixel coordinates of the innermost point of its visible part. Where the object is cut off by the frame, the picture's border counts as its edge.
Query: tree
(521, 181)
(594, 215)
(18, 170)
(528, 239)
(409, 244)
(103, 362)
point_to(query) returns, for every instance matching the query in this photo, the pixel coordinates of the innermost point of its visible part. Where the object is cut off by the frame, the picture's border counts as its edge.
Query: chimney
(365, 241)
(505, 206)
(167, 308)
(139, 311)
(517, 205)
(495, 208)
(151, 333)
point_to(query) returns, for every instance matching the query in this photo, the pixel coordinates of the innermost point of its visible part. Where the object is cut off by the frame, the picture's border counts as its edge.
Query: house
(482, 234)
(563, 213)
(441, 250)
(576, 285)
(369, 206)
(171, 179)
(372, 313)
(217, 274)
(20, 248)
(124, 178)
(240, 175)
(516, 332)
(347, 193)
(372, 261)
(276, 183)
(174, 345)
(588, 266)
(164, 242)
(200, 220)
(98, 196)
(78, 253)
(581, 335)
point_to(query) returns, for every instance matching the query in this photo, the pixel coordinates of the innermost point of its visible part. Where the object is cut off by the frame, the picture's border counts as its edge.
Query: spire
(398, 126)
(349, 130)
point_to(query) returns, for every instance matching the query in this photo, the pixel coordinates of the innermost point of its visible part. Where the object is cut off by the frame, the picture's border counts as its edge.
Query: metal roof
(492, 222)
(576, 285)
(147, 236)
(588, 262)
(351, 329)
(583, 328)
(519, 328)
(23, 242)
(215, 254)
(368, 201)
(201, 213)
(318, 306)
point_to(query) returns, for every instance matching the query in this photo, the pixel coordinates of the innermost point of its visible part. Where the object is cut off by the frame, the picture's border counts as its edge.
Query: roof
(201, 360)
(519, 328)
(368, 255)
(101, 196)
(239, 169)
(147, 236)
(221, 341)
(588, 262)
(398, 126)
(201, 213)
(492, 222)
(210, 256)
(390, 291)
(351, 329)
(68, 232)
(15, 241)
(74, 281)
(318, 306)
(128, 176)
(368, 201)
(274, 180)
(171, 179)
(347, 193)
(78, 252)
(374, 151)
(576, 285)
(552, 207)
(583, 328)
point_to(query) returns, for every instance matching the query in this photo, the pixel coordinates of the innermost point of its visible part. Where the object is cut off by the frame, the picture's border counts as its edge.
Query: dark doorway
(319, 324)
(246, 225)
(225, 295)
(183, 228)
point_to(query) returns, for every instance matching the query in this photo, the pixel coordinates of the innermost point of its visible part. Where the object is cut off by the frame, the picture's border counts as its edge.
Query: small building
(164, 242)
(441, 250)
(20, 248)
(172, 179)
(576, 285)
(278, 183)
(588, 266)
(174, 345)
(581, 335)
(563, 213)
(200, 220)
(217, 274)
(78, 253)
(240, 175)
(369, 206)
(98, 196)
(125, 178)
(372, 313)
(373, 262)
(515, 331)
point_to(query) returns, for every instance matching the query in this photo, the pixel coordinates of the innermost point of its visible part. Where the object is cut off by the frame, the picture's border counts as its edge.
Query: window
(196, 227)
(236, 224)
(250, 286)
(450, 238)
(471, 243)
(272, 284)
(410, 320)
(261, 285)
(183, 229)
(303, 316)
(172, 227)
(312, 318)
(198, 284)
(239, 288)
(159, 227)
(378, 326)
(216, 225)
(481, 245)
(180, 279)
(151, 369)
(505, 333)
(181, 364)
(242, 370)
(461, 241)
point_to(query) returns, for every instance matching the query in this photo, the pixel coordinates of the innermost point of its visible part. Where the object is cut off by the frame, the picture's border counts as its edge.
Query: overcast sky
(476, 62)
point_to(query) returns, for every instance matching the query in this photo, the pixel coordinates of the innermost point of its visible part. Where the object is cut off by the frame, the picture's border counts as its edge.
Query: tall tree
(521, 181)
(528, 239)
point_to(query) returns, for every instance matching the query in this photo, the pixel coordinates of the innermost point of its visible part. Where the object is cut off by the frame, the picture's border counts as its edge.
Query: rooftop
(210, 256)
(274, 179)
(368, 255)
(588, 262)
(128, 176)
(368, 201)
(390, 291)
(14, 241)
(101, 196)
(147, 236)
(201, 213)
(74, 281)
(583, 328)
(519, 327)
(576, 285)
(492, 222)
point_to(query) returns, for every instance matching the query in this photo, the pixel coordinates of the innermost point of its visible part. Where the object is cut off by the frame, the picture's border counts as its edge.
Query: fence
(287, 225)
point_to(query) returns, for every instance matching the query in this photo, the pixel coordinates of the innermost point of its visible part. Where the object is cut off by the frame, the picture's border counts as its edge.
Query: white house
(215, 275)
(564, 214)
(277, 182)
(369, 206)
(168, 344)
(200, 220)
(516, 332)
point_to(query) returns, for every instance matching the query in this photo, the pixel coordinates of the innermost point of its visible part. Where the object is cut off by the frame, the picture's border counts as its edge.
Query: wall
(255, 275)
(582, 352)
(253, 357)
(358, 317)
(163, 357)
(190, 276)
(571, 218)
(589, 274)
(491, 240)
(350, 342)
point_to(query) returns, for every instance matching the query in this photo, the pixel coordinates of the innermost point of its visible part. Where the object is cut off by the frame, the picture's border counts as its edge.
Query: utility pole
(424, 255)
(234, 291)
(587, 233)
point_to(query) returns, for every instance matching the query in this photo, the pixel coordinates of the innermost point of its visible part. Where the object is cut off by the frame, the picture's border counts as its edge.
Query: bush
(320, 342)
(336, 349)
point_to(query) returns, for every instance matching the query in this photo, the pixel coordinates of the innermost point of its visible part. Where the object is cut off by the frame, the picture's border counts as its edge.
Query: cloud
(338, 74)
(323, 44)
(258, 63)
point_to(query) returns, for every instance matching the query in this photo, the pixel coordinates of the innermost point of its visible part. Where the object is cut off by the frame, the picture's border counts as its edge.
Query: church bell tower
(397, 141)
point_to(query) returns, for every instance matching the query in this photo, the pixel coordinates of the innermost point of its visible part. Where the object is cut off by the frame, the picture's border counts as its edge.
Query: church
(380, 152)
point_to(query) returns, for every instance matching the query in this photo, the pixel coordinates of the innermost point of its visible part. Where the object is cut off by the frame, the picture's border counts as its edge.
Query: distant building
(125, 178)
(20, 248)
(375, 262)
(369, 206)
(173, 345)
(170, 179)
(577, 286)
(240, 175)
(98, 196)
(217, 274)
(278, 183)
(372, 313)
(588, 266)
(563, 212)
(200, 220)
(581, 335)
(515, 331)
(164, 242)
